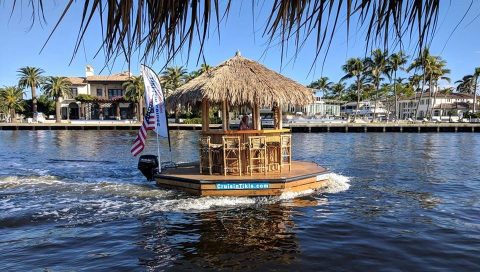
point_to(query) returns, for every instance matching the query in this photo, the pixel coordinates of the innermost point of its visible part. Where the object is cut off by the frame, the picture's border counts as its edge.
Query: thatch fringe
(242, 81)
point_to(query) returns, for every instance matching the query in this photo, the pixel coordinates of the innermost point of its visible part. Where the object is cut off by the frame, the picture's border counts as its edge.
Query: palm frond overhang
(167, 26)
(241, 81)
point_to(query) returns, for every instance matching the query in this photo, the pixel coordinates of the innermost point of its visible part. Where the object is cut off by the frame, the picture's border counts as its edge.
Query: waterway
(73, 200)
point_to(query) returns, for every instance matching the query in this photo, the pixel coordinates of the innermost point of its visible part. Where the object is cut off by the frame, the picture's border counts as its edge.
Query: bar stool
(209, 154)
(257, 153)
(273, 151)
(286, 151)
(231, 154)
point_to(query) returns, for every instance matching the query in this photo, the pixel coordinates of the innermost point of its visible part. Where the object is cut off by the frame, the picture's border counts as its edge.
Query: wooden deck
(303, 176)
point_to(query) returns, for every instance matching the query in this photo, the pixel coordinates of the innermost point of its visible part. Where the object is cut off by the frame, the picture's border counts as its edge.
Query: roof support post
(280, 117)
(256, 117)
(205, 114)
(225, 115)
(277, 115)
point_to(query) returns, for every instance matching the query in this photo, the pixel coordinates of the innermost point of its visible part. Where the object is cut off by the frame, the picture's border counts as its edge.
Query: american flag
(147, 124)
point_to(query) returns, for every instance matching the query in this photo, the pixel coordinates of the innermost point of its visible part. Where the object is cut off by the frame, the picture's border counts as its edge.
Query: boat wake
(46, 198)
(336, 183)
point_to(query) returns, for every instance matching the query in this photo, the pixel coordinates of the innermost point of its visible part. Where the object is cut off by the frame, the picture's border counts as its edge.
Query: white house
(320, 107)
(443, 106)
(366, 109)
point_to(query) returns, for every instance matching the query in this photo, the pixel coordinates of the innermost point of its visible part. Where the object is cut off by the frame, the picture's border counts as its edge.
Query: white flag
(154, 94)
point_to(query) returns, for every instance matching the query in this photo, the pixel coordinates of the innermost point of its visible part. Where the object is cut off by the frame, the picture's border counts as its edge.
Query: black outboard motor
(148, 165)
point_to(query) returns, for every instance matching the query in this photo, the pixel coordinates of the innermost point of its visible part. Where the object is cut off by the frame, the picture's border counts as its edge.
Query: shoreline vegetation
(381, 77)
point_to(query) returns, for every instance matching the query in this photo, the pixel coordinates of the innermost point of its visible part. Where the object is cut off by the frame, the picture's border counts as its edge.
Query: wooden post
(280, 117)
(254, 124)
(205, 115)
(258, 125)
(224, 115)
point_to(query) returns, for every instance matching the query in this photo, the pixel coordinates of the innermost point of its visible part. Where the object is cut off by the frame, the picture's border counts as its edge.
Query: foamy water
(95, 200)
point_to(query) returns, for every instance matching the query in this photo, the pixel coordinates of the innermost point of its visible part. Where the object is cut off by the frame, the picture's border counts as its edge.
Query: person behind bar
(244, 123)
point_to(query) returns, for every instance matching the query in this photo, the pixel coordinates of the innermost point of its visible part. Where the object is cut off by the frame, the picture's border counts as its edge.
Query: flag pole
(159, 158)
(166, 117)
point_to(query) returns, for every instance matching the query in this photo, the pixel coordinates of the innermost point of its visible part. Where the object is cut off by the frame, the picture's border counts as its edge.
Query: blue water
(73, 200)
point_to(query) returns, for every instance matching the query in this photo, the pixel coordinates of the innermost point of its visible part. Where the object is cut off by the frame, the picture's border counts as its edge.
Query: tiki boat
(248, 162)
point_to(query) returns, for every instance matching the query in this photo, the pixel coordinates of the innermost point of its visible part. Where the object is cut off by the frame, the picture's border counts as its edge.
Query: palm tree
(57, 88)
(204, 68)
(134, 91)
(172, 78)
(338, 90)
(396, 62)
(438, 72)
(31, 77)
(11, 99)
(377, 65)
(321, 84)
(354, 68)
(476, 74)
(465, 85)
(421, 62)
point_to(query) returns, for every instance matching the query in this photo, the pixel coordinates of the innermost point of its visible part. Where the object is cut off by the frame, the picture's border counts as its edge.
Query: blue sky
(21, 46)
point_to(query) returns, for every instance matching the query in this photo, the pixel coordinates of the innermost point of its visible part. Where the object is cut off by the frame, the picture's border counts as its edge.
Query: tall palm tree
(172, 78)
(57, 88)
(476, 74)
(321, 84)
(11, 99)
(396, 62)
(134, 91)
(421, 62)
(354, 68)
(32, 78)
(438, 71)
(376, 66)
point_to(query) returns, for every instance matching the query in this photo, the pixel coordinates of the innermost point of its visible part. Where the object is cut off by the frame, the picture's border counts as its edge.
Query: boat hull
(302, 177)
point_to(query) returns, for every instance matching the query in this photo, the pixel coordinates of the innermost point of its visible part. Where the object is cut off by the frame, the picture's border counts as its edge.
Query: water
(73, 200)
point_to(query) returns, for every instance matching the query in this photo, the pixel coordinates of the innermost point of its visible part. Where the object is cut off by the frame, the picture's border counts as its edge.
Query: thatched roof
(242, 81)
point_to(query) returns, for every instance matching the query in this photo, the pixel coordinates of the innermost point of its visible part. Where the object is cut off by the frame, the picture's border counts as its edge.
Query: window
(74, 92)
(99, 92)
(114, 93)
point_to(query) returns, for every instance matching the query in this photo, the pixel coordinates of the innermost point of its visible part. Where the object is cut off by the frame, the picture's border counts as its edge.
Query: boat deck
(303, 176)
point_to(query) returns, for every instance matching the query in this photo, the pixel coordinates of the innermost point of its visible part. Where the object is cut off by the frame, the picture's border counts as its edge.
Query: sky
(456, 41)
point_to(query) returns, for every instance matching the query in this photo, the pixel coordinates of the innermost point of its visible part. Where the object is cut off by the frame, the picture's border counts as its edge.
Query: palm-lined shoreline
(378, 77)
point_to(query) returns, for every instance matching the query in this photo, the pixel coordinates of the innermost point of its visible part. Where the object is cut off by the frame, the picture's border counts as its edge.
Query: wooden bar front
(272, 136)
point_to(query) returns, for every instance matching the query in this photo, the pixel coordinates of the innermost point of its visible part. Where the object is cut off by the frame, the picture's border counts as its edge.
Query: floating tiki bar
(248, 162)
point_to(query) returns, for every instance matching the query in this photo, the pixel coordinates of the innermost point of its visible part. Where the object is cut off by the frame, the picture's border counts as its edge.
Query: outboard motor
(148, 165)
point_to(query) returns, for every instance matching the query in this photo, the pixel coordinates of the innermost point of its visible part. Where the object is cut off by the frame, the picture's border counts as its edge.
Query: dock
(296, 127)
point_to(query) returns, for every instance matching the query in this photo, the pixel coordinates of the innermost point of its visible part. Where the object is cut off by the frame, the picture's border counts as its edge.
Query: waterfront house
(319, 107)
(443, 106)
(366, 109)
(107, 91)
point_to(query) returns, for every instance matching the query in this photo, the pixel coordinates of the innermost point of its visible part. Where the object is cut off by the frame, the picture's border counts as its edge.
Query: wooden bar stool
(257, 153)
(286, 151)
(231, 154)
(209, 155)
(273, 153)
